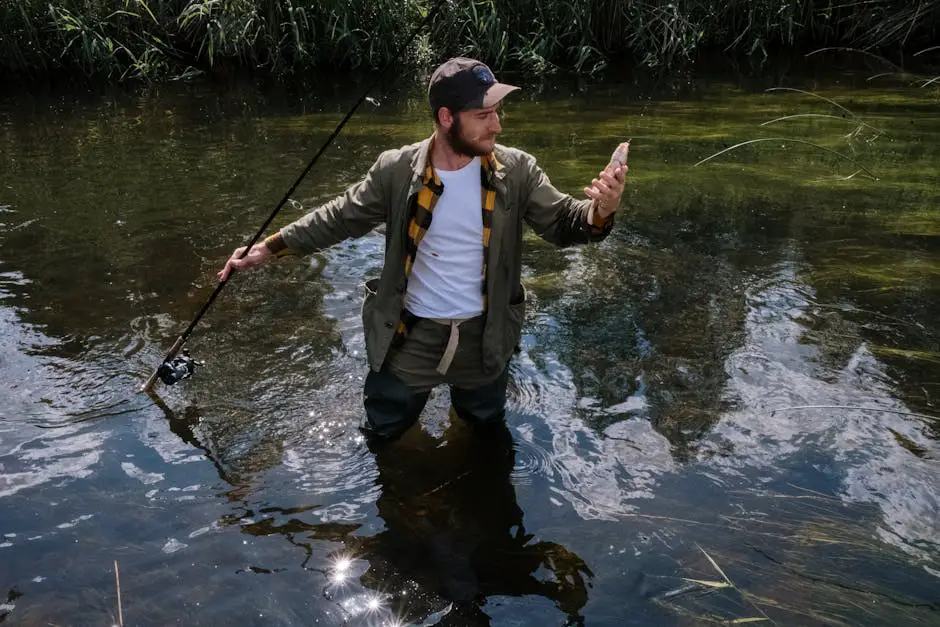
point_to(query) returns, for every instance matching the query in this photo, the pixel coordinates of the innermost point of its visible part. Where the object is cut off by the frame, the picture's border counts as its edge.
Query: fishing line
(173, 369)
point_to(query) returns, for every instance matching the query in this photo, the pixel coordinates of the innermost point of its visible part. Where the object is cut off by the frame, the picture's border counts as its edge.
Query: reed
(155, 39)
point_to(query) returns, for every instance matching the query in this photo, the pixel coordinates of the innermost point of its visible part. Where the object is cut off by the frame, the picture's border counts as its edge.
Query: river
(726, 410)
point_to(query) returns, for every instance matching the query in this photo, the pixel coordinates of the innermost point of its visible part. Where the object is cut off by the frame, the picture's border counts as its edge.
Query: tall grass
(152, 39)
(156, 39)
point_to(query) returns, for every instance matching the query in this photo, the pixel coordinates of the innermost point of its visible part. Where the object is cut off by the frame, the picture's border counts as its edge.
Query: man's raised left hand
(607, 189)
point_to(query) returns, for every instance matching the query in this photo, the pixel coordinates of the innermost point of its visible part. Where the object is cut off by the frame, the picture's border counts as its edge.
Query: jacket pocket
(371, 289)
(515, 320)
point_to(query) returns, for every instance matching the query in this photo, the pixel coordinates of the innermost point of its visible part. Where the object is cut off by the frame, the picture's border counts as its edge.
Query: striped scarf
(422, 210)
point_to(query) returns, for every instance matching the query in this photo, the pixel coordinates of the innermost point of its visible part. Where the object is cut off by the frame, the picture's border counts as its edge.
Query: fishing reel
(178, 368)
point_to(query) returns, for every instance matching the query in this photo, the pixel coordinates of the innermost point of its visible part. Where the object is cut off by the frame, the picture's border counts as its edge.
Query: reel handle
(146, 387)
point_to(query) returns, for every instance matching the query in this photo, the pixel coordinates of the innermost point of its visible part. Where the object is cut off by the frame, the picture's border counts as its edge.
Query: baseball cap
(461, 83)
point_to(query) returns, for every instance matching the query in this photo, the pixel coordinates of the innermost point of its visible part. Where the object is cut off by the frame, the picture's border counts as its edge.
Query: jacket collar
(421, 163)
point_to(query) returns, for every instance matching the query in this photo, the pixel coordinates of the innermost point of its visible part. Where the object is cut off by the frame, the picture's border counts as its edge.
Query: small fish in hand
(607, 189)
(619, 157)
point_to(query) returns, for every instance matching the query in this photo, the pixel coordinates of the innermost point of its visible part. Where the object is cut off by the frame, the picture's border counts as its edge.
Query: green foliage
(154, 39)
(164, 38)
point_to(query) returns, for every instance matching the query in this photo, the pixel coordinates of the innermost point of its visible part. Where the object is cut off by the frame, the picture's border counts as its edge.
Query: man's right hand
(258, 254)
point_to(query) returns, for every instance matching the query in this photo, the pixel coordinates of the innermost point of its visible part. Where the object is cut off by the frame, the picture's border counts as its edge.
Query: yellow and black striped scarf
(422, 209)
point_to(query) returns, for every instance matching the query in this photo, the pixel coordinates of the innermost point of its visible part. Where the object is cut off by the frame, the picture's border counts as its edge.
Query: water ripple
(533, 459)
(789, 394)
(601, 476)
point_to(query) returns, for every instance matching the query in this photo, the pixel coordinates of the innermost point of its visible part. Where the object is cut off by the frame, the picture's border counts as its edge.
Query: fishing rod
(173, 369)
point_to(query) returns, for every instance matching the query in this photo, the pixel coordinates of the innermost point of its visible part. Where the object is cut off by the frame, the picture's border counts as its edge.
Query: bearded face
(473, 132)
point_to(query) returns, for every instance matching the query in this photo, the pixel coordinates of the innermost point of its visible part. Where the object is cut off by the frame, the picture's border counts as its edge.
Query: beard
(460, 144)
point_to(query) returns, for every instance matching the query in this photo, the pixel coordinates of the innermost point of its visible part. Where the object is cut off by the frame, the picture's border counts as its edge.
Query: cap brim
(496, 93)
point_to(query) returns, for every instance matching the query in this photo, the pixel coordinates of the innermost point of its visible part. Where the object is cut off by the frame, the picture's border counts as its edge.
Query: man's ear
(445, 118)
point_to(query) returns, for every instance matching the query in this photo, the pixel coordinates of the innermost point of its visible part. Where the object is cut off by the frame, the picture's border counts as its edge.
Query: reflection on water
(792, 398)
(459, 532)
(451, 538)
(743, 376)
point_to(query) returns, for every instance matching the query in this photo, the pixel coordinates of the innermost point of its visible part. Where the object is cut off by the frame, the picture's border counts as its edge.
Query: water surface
(739, 385)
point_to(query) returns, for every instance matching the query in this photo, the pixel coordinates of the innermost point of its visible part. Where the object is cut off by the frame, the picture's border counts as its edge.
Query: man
(449, 306)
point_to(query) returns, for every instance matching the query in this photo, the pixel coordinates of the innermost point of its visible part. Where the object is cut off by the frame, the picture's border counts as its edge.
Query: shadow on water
(452, 539)
(459, 532)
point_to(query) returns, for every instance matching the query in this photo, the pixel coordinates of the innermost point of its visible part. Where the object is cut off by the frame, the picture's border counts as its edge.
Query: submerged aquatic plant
(860, 126)
(797, 141)
(727, 583)
(791, 564)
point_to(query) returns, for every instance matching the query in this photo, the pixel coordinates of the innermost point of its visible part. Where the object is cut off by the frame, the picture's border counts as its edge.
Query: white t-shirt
(447, 276)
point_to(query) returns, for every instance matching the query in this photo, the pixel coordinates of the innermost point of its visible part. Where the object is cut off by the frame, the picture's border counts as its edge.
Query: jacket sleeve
(357, 211)
(556, 217)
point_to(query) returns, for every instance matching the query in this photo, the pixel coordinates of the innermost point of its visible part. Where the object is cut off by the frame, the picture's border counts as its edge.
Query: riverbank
(290, 40)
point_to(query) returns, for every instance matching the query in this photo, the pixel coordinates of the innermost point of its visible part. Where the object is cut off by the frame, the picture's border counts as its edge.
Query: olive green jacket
(385, 196)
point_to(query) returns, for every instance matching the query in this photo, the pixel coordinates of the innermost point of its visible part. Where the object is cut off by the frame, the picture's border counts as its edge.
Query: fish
(619, 157)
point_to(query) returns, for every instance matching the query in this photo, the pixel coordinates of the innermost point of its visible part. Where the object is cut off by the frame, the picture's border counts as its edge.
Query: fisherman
(449, 305)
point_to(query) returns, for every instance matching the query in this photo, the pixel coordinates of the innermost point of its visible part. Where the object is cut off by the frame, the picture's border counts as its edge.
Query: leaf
(709, 584)
(741, 621)
(715, 564)
(149, 12)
